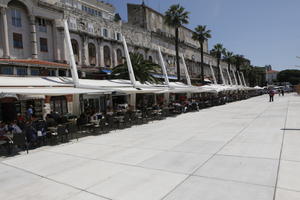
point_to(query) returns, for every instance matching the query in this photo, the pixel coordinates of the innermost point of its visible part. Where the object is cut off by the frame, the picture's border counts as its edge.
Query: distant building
(271, 76)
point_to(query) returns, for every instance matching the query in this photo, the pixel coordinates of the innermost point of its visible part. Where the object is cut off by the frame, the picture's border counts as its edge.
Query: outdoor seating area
(29, 132)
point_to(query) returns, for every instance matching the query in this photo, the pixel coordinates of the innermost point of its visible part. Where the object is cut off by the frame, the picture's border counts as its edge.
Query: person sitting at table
(15, 128)
(3, 130)
(82, 120)
(109, 111)
(50, 122)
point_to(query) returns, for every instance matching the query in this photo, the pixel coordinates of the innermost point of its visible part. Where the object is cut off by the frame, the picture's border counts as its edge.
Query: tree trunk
(202, 67)
(177, 54)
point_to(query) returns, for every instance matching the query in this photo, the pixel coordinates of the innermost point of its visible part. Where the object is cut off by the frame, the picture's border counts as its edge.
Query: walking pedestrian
(271, 95)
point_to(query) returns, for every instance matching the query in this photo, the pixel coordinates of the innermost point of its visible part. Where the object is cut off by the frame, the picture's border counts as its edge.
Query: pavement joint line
(55, 181)
(291, 190)
(247, 125)
(251, 157)
(234, 181)
(282, 144)
(296, 161)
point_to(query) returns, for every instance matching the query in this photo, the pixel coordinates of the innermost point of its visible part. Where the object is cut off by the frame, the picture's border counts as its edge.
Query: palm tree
(143, 69)
(201, 35)
(217, 51)
(239, 60)
(175, 17)
(229, 58)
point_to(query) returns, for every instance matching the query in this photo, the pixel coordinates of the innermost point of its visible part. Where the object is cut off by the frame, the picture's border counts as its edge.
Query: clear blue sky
(265, 31)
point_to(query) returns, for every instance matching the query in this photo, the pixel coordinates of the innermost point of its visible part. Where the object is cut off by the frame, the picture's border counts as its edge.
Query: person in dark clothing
(30, 132)
(282, 92)
(271, 95)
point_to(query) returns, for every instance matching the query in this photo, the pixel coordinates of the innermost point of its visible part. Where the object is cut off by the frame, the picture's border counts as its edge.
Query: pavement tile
(176, 162)
(138, 183)
(199, 146)
(282, 194)
(88, 174)
(248, 170)
(131, 156)
(259, 150)
(289, 174)
(86, 196)
(196, 188)
(41, 189)
(92, 151)
(45, 163)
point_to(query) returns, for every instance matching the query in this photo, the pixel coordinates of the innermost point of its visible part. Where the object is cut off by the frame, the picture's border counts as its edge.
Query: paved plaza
(246, 150)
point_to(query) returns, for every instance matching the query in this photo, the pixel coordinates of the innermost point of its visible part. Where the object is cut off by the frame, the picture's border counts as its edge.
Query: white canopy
(51, 91)
(9, 81)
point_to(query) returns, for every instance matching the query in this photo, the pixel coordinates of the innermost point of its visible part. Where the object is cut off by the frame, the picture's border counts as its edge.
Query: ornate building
(32, 38)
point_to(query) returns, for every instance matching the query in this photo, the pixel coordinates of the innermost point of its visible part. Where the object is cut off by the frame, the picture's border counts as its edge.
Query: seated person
(50, 122)
(15, 128)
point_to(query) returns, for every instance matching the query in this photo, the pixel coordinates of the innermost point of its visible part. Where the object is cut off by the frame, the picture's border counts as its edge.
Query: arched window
(92, 54)
(75, 48)
(107, 60)
(119, 57)
(150, 59)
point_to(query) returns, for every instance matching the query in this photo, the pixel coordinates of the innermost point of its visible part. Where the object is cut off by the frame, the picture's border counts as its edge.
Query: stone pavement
(247, 150)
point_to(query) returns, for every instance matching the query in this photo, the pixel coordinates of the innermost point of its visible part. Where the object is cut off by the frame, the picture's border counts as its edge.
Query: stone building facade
(33, 29)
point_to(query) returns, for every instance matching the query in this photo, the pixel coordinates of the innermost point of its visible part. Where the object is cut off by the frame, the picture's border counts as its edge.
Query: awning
(137, 90)
(31, 97)
(51, 91)
(8, 95)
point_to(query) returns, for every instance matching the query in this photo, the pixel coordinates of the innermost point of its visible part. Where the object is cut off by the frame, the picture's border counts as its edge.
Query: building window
(42, 25)
(150, 59)
(52, 72)
(90, 28)
(119, 57)
(7, 70)
(75, 48)
(118, 36)
(105, 32)
(18, 41)
(62, 72)
(59, 104)
(72, 23)
(107, 60)
(34, 72)
(92, 54)
(22, 71)
(16, 18)
(43, 45)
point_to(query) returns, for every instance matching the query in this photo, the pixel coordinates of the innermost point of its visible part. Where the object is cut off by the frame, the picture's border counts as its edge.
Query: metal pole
(188, 79)
(239, 78)
(229, 77)
(129, 64)
(71, 54)
(235, 80)
(243, 79)
(223, 79)
(164, 69)
(212, 73)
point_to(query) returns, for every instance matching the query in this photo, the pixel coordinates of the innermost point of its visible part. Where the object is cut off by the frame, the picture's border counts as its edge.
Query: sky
(264, 31)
